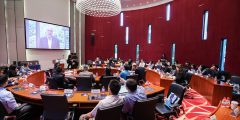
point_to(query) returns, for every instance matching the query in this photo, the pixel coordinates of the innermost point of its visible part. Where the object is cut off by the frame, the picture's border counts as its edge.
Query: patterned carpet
(197, 108)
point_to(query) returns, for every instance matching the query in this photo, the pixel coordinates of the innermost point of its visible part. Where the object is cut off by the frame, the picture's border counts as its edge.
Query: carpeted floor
(197, 108)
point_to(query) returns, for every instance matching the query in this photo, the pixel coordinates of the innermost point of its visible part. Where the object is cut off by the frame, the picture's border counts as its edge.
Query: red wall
(184, 29)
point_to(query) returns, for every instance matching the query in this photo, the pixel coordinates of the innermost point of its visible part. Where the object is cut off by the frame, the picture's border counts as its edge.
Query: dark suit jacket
(44, 43)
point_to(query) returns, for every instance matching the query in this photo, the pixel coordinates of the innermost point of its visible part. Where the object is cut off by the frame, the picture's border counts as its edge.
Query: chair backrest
(235, 80)
(223, 76)
(178, 90)
(55, 106)
(188, 77)
(106, 79)
(110, 113)
(141, 73)
(56, 82)
(134, 76)
(3, 111)
(84, 83)
(144, 109)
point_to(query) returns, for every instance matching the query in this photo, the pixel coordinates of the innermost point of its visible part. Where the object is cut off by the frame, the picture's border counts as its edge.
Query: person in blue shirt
(125, 72)
(134, 94)
(25, 69)
(21, 111)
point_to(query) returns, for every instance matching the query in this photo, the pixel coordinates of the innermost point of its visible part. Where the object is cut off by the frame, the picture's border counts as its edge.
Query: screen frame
(46, 23)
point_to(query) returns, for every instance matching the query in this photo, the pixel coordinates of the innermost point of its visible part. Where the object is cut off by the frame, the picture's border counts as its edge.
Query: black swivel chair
(223, 76)
(164, 111)
(141, 74)
(110, 113)
(104, 81)
(3, 113)
(134, 76)
(56, 107)
(235, 80)
(56, 82)
(84, 83)
(145, 109)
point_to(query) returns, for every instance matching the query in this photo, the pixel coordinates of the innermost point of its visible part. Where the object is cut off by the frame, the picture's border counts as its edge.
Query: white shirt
(109, 101)
(49, 42)
(8, 100)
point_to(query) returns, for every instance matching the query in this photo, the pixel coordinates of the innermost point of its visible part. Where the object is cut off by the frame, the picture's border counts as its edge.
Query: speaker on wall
(92, 38)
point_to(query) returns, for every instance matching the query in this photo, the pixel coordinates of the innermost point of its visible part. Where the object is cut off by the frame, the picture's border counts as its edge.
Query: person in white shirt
(142, 63)
(22, 111)
(111, 100)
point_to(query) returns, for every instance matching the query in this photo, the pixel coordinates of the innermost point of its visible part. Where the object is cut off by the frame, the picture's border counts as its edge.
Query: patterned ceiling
(128, 5)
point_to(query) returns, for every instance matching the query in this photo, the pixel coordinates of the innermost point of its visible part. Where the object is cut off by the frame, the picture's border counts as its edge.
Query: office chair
(56, 107)
(134, 76)
(187, 79)
(223, 76)
(110, 113)
(104, 81)
(145, 109)
(235, 80)
(56, 82)
(166, 112)
(4, 115)
(84, 83)
(141, 73)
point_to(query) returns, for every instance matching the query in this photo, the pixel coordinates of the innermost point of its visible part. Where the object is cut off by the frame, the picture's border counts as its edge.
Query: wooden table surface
(223, 113)
(155, 78)
(209, 88)
(79, 97)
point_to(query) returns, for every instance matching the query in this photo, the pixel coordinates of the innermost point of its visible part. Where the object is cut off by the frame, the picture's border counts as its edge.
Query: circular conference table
(207, 87)
(81, 98)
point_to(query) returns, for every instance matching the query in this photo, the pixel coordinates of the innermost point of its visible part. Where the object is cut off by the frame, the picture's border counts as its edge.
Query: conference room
(119, 60)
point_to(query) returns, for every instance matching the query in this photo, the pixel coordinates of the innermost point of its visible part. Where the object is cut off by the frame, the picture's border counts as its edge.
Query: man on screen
(49, 41)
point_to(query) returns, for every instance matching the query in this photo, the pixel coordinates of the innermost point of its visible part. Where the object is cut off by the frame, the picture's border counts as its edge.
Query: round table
(79, 97)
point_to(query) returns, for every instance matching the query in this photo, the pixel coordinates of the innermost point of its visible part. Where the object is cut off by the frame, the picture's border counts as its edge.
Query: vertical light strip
(74, 28)
(121, 19)
(205, 25)
(137, 52)
(223, 53)
(127, 35)
(168, 11)
(173, 53)
(115, 51)
(149, 34)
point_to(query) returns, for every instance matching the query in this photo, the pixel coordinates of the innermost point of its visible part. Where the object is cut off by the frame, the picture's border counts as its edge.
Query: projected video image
(40, 35)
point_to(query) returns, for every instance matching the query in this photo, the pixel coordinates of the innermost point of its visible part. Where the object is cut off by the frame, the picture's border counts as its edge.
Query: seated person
(212, 71)
(22, 111)
(125, 72)
(111, 100)
(180, 75)
(24, 69)
(13, 71)
(98, 62)
(134, 66)
(135, 93)
(59, 79)
(142, 63)
(85, 71)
